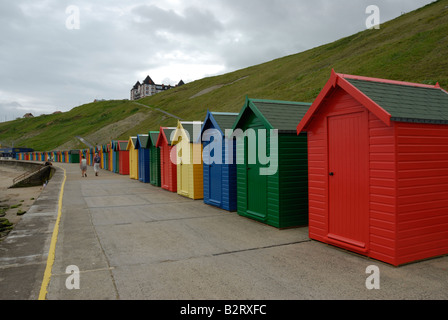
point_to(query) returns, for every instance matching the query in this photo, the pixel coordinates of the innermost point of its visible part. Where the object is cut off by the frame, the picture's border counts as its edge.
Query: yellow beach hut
(133, 158)
(189, 160)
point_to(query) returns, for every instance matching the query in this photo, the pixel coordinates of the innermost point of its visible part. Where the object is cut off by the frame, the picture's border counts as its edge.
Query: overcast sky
(49, 62)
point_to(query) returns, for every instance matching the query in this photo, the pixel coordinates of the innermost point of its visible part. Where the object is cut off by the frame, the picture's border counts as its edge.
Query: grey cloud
(11, 110)
(193, 21)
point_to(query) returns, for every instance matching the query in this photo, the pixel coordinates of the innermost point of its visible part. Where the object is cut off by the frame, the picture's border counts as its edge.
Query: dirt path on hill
(107, 133)
(160, 110)
(213, 88)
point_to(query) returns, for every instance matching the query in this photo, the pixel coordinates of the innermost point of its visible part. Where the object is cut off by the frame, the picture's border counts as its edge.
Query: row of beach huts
(365, 166)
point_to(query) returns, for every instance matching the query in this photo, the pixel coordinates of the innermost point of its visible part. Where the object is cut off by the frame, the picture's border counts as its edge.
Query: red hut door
(164, 167)
(348, 179)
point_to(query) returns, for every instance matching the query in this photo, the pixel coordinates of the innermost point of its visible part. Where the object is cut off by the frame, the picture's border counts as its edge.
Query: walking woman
(97, 162)
(83, 166)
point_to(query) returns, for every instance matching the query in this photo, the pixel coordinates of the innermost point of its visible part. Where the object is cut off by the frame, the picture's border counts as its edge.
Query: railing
(26, 174)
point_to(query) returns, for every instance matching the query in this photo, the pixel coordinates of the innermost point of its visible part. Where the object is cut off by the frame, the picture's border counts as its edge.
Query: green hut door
(256, 183)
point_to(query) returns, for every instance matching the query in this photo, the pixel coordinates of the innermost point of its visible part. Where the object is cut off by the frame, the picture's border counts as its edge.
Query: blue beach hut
(219, 165)
(143, 158)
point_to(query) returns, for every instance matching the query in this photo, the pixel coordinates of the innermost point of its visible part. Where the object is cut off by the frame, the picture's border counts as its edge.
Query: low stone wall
(38, 179)
(24, 253)
(26, 165)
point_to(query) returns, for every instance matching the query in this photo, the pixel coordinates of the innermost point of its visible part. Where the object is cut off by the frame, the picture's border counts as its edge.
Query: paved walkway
(134, 241)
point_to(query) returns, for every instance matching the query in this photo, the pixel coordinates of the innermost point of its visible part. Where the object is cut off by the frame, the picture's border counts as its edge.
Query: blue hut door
(140, 165)
(215, 180)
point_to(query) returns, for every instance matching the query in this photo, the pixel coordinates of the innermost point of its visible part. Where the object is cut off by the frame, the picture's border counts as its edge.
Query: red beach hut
(378, 168)
(123, 156)
(168, 168)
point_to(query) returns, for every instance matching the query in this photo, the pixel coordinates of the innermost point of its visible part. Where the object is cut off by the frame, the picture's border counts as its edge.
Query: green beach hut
(272, 163)
(73, 156)
(154, 162)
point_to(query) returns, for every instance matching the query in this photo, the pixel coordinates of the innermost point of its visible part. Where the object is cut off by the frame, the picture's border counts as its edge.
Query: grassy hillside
(47, 132)
(411, 48)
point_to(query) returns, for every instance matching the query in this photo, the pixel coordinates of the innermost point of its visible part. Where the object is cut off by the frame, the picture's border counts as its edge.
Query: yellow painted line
(54, 239)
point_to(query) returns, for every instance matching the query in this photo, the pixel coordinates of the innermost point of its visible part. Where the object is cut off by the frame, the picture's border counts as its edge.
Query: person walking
(83, 166)
(96, 164)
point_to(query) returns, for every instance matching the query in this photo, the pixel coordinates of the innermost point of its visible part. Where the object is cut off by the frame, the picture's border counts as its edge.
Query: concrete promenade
(131, 240)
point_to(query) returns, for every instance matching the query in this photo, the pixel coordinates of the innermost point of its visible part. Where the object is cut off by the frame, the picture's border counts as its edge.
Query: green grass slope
(47, 132)
(412, 48)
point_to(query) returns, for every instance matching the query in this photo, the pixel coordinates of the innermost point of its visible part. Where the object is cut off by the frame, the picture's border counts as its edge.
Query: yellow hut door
(183, 167)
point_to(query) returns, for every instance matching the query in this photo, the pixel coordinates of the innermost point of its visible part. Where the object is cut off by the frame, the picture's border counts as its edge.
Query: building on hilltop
(136, 91)
(149, 88)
